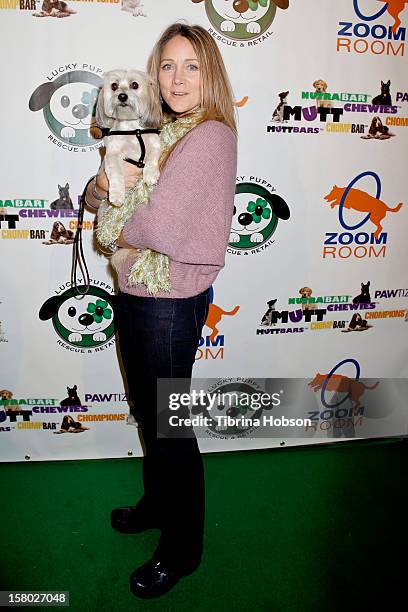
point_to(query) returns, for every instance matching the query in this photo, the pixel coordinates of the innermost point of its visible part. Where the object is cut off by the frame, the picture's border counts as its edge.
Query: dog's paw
(253, 27)
(151, 175)
(227, 26)
(130, 420)
(67, 132)
(257, 237)
(116, 196)
(234, 237)
(99, 337)
(74, 337)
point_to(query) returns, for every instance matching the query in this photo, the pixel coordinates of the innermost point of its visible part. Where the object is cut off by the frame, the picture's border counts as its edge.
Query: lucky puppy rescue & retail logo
(241, 22)
(257, 210)
(67, 99)
(84, 324)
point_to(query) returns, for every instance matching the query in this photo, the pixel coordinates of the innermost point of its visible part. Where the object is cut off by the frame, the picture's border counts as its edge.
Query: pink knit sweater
(189, 213)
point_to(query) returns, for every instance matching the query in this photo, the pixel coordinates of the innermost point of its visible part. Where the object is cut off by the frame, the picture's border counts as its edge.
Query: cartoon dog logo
(256, 214)
(86, 322)
(68, 104)
(242, 19)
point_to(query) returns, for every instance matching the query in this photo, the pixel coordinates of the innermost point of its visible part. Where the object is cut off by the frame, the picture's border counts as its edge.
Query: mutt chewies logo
(68, 105)
(86, 323)
(365, 243)
(373, 30)
(257, 210)
(241, 21)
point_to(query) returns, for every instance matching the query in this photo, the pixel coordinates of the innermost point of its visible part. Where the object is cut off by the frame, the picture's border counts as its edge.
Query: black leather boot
(130, 519)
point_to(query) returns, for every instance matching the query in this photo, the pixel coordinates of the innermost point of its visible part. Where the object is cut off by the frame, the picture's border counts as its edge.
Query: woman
(188, 218)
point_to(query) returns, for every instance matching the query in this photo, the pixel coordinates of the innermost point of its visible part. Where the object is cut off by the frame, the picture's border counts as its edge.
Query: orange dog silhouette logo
(394, 8)
(215, 314)
(361, 201)
(342, 384)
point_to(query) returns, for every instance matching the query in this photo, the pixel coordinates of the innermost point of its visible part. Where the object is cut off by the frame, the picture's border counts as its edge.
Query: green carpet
(295, 529)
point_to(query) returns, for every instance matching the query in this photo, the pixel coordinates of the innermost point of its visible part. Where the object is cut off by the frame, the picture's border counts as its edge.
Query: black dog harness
(138, 133)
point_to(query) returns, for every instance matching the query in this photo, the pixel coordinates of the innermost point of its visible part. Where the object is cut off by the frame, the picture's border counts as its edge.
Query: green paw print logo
(99, 310)
(259, 209)
(253, 4)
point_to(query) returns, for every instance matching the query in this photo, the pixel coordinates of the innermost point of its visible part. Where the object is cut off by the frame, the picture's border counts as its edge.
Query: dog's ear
(102, 120)
(278, 205)
(41, 96)
(301, 290)
(67, 186)
(315, 83)
(282, 4)
(389, 83)
(50, 307)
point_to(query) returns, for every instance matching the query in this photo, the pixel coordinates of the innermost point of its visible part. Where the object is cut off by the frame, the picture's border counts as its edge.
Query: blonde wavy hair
(217, 98)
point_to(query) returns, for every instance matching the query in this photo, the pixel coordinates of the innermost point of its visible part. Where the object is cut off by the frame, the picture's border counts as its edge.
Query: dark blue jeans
(158, 338)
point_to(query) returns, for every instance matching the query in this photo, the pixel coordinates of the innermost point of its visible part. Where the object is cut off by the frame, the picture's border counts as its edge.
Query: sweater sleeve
(189, 213)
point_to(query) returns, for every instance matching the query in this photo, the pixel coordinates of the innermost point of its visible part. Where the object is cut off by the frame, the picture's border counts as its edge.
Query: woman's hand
(131, 172)
(121, 242)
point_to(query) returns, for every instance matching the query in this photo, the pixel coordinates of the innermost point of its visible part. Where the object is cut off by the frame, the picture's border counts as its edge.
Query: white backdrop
(302, 151)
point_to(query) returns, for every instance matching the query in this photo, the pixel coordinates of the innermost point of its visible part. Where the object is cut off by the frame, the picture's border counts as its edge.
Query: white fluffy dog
(128, 102)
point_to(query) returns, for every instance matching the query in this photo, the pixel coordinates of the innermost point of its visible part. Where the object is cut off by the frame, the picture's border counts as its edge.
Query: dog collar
(138, 133)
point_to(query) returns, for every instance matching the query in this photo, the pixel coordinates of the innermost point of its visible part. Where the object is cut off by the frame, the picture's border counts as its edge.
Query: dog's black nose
(241, 6)
(245, 219)
(80, 111)
(122, 97)
(86, 319)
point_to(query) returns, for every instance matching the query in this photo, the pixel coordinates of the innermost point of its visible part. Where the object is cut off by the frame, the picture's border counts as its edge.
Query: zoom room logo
(374, 29)
(67, 99)
(257, 210)
(82, 324)
(239, 22)
(365, 243)
(341, 400)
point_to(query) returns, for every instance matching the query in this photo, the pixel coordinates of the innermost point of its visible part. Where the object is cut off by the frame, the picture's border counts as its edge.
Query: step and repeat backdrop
(314, 290)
